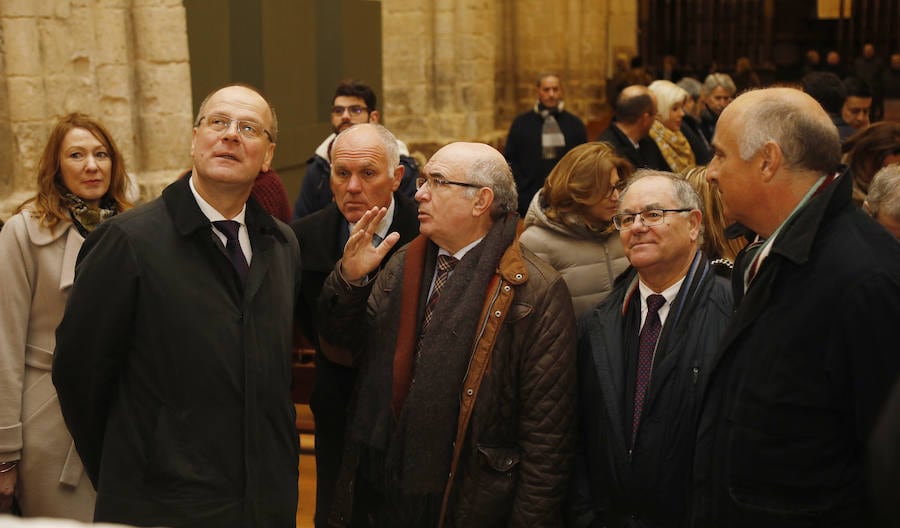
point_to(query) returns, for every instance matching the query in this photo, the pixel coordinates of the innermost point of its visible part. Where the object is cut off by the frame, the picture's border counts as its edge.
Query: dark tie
(445, 265)
(230, 228)
(647, 345)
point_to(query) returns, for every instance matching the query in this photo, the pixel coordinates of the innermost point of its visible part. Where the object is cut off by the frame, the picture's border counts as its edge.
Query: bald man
(466, 390)
(811, 351)
(629, 133)
(173, 358)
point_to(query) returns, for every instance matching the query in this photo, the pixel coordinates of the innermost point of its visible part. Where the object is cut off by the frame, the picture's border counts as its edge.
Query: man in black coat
(639, 390)
(539, 138)
(173, 358)
(629, 133)
(811, 352)
(322, 236)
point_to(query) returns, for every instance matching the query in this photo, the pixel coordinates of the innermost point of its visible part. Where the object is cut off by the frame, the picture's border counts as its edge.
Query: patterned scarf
(552, 138)
(674, 147)
(84, 217)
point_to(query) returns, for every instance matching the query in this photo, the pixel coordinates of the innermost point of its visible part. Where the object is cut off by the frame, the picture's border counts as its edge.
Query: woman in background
(81, 182)
(720, 250)
(569, 222)
(867, 151)
(666, 131)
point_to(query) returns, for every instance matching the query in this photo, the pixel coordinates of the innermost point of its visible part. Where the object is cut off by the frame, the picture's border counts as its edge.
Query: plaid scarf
(552, 138)
(674, 147)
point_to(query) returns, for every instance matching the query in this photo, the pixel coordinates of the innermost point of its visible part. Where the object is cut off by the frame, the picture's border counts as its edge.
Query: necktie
(230, 228)
(646, 347)
(446, 263)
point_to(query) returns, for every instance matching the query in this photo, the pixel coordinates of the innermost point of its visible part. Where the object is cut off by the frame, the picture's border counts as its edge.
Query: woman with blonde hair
(81, 182)
(715, 245)
(667, 130)
(569, 221)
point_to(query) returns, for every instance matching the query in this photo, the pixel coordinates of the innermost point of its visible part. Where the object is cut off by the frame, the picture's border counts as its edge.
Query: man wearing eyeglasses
(173, 359)
(353, 103)
(811, 352)
(366, 173)
(643, 357)
(465, 404)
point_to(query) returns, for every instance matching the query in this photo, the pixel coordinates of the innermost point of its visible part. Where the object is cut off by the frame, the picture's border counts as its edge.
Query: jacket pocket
(488, 498)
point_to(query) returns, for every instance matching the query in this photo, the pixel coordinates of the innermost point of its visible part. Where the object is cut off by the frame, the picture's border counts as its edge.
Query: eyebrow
(648, 207)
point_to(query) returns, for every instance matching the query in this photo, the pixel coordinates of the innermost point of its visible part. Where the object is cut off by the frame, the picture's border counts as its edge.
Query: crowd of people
(687, 322)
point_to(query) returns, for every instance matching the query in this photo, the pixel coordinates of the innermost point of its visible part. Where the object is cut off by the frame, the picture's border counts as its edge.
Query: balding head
(469, 185)
(634, 101)
(795, 122)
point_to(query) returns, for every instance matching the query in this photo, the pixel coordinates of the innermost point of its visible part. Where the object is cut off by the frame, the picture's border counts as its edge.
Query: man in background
(539, 138)
(353, 103)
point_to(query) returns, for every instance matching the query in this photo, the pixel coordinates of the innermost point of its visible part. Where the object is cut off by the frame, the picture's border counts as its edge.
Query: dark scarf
(84, 217)
(417, 443)
(552, 138)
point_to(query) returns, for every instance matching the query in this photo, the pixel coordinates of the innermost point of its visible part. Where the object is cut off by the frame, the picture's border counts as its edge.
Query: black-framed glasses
(353, 109)
(247, 129)
(435, 182)
(649, 217)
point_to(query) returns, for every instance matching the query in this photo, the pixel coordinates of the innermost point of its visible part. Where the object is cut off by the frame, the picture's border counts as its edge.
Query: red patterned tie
(647, 345)
(445, 265)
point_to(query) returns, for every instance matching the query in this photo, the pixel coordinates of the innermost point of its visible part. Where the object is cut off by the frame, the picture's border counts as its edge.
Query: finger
(365, 222)
(389, 242)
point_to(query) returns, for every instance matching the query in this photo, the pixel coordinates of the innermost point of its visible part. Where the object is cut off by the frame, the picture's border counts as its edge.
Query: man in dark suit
(811, 352)
(629, 133)
(366, 173)
(173, 358)
(643, 355)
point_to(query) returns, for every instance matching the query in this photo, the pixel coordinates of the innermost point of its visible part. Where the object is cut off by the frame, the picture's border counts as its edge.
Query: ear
(867, 209)
(270, 153)
(771, 158)
(484, 198)
(193, 140)
(374, 116)
(398, 177)
(695, 219)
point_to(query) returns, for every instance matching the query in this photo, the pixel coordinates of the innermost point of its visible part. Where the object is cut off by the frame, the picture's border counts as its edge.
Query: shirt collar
(210, 212)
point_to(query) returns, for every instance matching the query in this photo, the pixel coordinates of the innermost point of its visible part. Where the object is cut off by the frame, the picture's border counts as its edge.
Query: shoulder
(24, 226)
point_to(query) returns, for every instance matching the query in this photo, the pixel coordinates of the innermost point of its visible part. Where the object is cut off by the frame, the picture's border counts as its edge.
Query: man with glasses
(173, 359)
(366, 173)
(465, 404)
(643, 356)
(353, 103)
(811, 352)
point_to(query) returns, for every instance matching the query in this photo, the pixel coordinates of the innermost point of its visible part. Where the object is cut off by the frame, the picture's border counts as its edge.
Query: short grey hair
(808, 141)
(388, 141)
(884, 192)
(685, 195)
(496, 175)
(691, 86)
(715, 80)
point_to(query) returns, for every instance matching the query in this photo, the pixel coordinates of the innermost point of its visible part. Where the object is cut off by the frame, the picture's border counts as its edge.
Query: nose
(231, 131)
(354, 184)
(421, 192)
(91, 162)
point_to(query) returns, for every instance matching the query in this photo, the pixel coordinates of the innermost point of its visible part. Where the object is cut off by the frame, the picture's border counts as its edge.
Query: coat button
(469, 392)
(506, 288)
(518, 276)
(498, 313)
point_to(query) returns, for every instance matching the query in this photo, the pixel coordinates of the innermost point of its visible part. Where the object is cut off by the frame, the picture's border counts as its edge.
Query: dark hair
(827, 89)
(856, 87)
(630, 108)
(352, 88)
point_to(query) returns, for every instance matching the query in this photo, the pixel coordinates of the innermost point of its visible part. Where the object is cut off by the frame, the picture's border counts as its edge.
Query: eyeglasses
(650, 217)
(247, 129)
(434, 182)
(618, 186)
(354, 110)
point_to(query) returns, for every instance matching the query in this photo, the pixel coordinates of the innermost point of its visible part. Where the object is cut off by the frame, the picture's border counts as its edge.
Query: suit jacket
(647, 156)
(322, 236)
(647, 484)
(174, 376)
(802, 371)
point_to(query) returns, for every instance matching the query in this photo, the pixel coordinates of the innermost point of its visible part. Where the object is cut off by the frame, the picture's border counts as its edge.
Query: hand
(8, 489)
(360, 257)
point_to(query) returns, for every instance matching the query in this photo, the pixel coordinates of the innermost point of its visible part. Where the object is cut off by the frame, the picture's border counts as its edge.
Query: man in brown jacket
(466, 391)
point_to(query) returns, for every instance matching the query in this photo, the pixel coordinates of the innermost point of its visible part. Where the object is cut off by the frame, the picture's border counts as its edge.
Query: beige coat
(38, 267)
(588, 261)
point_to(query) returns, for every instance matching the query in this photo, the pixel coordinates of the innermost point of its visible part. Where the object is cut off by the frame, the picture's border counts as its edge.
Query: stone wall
(463, 69)
(122, 61)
